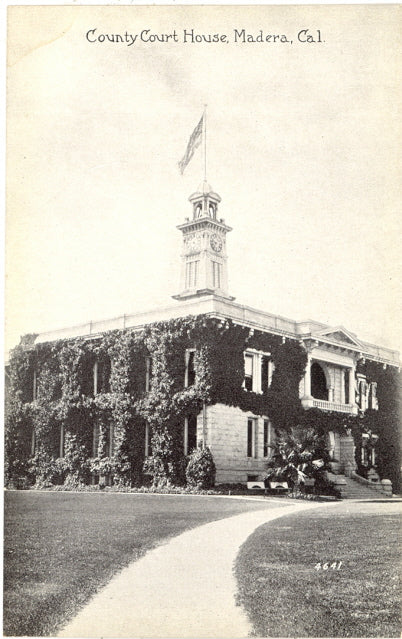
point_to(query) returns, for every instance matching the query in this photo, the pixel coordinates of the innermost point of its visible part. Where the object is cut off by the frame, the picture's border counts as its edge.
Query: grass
(60, 548)
(286, 596)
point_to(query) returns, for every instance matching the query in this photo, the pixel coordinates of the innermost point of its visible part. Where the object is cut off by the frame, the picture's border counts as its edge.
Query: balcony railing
(322, 404)
(335, 406)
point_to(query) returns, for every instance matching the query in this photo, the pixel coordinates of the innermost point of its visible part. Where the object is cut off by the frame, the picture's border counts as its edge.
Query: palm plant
(298, 454)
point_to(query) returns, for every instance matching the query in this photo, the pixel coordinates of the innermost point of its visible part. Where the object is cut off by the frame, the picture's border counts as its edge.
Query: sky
(302, 146)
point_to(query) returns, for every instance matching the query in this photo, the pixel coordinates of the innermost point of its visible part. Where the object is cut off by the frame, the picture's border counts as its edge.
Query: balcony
(322, 404)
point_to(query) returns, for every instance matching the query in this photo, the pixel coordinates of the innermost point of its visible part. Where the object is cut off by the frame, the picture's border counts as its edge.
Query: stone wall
(227, 439)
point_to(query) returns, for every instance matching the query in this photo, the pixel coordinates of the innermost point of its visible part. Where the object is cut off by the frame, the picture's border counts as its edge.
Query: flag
(193, 143)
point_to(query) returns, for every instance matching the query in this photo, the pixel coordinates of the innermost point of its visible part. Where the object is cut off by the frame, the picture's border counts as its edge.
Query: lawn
(60, 548)
(287, 593)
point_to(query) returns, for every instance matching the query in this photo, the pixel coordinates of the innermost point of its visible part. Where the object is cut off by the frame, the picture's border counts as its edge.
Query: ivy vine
(65, 401)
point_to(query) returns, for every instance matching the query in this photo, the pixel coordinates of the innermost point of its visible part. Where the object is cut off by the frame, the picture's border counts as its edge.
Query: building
(102, 398)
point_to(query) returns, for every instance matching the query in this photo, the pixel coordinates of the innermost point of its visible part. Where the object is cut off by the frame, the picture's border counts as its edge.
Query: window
(192, 274)
(364, 449)
(95, 443)
(111, 441)
(95, 379)
(267, 438)
(346, 386)
(267, 369)
(251, 437)
(252, 477)
(148, 373)
(216, 274)
(148, 439)
(258, 371)
(362, 392)
(248, 371)
(61, 452)
(190, 434)
(101, 375)
(319, 388)
(189, 375)
(373, 401)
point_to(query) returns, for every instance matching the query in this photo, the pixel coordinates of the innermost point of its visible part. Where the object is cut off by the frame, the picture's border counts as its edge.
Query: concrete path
(184, 588)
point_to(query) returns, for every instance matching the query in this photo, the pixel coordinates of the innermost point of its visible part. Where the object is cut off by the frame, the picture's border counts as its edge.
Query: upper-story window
(258, 371)
(366, 393)
(249, 371)
(96, 375)
(362, 392)
(319, 388)
(101, 375)
(373, 401)
(346, 385)
(189, 375)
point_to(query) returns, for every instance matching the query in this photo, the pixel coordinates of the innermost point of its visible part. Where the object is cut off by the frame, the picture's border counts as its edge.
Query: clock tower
(204, 258)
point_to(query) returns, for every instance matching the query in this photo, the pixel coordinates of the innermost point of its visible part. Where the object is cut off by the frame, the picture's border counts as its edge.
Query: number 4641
(335, 565)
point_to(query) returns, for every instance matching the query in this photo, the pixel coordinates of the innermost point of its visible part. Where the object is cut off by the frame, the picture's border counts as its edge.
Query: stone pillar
(352, 399)
(342, 385)
(307, 400)
(307, 378)
(347, 455)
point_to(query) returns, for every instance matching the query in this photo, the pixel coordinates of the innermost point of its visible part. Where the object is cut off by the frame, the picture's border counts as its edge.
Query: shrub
(201, 471)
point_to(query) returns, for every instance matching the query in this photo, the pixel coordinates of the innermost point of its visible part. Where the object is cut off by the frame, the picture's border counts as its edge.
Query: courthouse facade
(204, 371)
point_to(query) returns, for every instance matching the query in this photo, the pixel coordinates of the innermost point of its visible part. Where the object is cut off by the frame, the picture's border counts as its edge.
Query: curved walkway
(184, 588)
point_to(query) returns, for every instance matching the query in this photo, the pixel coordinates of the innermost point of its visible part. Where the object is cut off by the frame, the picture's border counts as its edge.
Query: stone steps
(352, 489)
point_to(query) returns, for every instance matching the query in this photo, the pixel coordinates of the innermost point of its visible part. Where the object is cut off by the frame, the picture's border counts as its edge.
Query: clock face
(216, 243)
(193, 244)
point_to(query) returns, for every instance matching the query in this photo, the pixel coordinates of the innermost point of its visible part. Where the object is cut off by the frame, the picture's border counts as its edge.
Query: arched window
(318, 382)
(198, 210)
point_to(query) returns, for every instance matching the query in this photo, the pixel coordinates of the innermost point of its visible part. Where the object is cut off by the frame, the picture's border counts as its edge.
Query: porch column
(307, 377)
(342, 385)
(352, 399)
(307, 400)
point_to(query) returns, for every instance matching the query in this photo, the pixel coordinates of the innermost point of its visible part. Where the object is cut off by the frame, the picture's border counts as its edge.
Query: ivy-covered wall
(65, 401)
(387, 420)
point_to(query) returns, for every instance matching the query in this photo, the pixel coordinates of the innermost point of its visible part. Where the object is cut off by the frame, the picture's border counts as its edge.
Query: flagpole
(205, 141)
